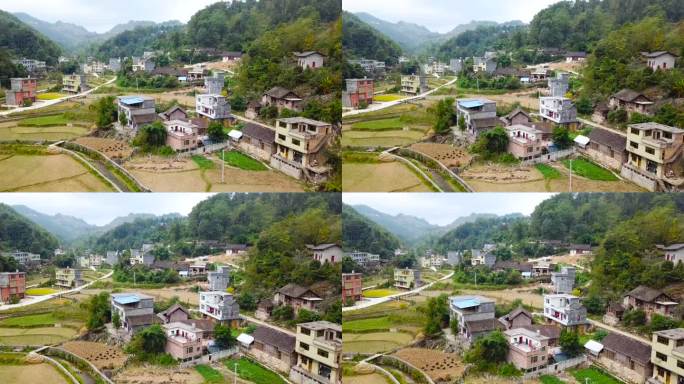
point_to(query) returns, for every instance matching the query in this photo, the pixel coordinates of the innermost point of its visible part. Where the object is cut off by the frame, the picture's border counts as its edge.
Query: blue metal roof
(126, 299)
(471, 103)
(132, 100)
(466, 303)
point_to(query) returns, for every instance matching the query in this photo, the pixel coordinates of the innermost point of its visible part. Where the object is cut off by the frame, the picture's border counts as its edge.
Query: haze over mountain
(71, 36)
(414, 38)
(69, 228)
(412, 229)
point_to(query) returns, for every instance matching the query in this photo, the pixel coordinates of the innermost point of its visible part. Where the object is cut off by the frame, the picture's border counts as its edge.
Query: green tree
(106, 111)
(150, 341)
(223, 336)
(492, 142)
(569, 343)
(561, 137)
(445, 117)
(151, 136)
(116, 320)
(437, 313)
(99, 310)
(216, 131)
(488, 351)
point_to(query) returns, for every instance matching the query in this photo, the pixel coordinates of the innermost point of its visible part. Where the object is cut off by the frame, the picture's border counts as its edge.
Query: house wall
(602, 154)
(257, 148)
(520, 321)
(620, 366)
(639, 179)
(268, 355)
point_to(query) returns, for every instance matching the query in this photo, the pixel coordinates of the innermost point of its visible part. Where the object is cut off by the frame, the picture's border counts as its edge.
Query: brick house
(626, 358)
(12, 285)
(607, 148)
(527, 350)
(525, 143)
(21, 89)
(517, 116)
(358, 91)
(183, 341)
(517, 318)
(297, 297)
(651, 301)
(173, 314)
(274, 348)
(258, 141)
(282, 98)
(352, 285)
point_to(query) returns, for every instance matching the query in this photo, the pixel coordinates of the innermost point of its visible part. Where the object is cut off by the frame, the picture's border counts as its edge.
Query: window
(680, 364)
(634, 145)
(635, 131)
(667, 135)
(304, 346)
(306, 331)
(661, 356)
(281, 137)
(650, 151)
(323, 353)
(296, 142)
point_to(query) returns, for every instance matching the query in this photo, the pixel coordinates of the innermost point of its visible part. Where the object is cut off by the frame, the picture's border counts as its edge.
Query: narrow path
(439, 180)
(108, 174)
(610, 328)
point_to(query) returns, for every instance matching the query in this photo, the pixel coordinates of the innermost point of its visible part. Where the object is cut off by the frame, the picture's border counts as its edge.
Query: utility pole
(570, 174)
(234, 373)
(223, 167)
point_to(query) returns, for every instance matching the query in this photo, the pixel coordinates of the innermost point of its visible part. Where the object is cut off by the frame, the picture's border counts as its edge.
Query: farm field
(381, 177)
(376, 323)
(594, 376)
(158, 375)
(438, 365)
(40, 291)
(387, 97)
(52, 172)
(527, 99)
(373, 293)
(446, 154)
(391, 138)
(112, 148)
(10, 131)
(35, 336)
(373, 378)
(34, 373)
(374, 342)
(101, 355)
(590, 170)
(239, 160)
(29, 320)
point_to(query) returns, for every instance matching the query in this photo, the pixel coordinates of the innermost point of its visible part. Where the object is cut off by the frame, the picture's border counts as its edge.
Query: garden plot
(101, 355)
(446, 154)
(438, 365)
(381, 177)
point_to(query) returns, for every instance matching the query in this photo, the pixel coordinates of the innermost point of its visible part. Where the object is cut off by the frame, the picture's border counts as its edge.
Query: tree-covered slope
(19, 233)
(20, 40)
(360, 233)
(360, 40)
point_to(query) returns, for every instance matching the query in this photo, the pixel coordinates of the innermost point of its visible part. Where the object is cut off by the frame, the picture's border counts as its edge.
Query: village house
(218, 280)
(454, 258)
(197, 269)
(197, 73)
(184, 342)
(484, 64)
(364, 259)
(662, 60)
(220, 306)
(414, 84)
(173, 113)
(653, 156)
(231, 56)
(253, 109)
(626, 358)
(579, 249)
(258, 141)
(74, 83)
(517, 318)
(456, 65)
(527, 350)
(614, 313)
(575, 57)
(475, 316)
(478, 115)
(433, 260)
(651, 301)
(517, 116)
(264, 309)
(297, 297)
(12, 286)
(407, 278)
(525, 269)
(352, 286)
(667, 356)
(31, 65)
(319, 350)
(138, 111)
(523, 75)
(563, 281)
(674, 253)
(135, 310)
(23, 258)
(374, 68)
(181, 135)
(327, 253)
(69, 277)
(565, 310)
(607, 148)
(310, 59)
(482, 257)
(94, 67)
(22, 90)
(557, 108)
(525, 143)
(114, 64)
(539, 74)
(549, 330)
(282, 98)
(236, 249)
(212, 104)
(541, 268)
(299, 148)
(631, 101)
(359, 93)
(174, 314)
(138, 256)
(144, 64)
(273, 348)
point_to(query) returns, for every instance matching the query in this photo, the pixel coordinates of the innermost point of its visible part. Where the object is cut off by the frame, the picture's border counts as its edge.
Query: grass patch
(360, 157)
(374, 293)
(388, 97)
(548, 171)
(202, 162)
(376, 323)
(546, 379)
(253, 372)
(30, 320)
(382, 124)
(595, 376)
(40, 291)
(242, 161)
(44, 121)
(590, 170)
(49, 96)
(209, 374)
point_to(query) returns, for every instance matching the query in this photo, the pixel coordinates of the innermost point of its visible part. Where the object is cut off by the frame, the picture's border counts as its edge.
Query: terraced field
(35, 336)
(381, 177)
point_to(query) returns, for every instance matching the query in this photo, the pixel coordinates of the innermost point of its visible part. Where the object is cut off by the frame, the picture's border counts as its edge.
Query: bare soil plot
(34, 373)
(54, 173)
(158, 375)
(374, 342)
(112, 148)
(380, 177)
(183, 293)
(526, 294)
(527, 99)
(101, 355)
(446, 154)
(438, 365)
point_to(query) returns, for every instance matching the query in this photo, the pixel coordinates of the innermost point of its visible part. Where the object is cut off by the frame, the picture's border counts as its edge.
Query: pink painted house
(525, 143)
(184, 341)
(527, 350)
(181, 135)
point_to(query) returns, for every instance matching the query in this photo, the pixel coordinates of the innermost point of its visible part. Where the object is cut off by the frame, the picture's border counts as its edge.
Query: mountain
(360, 40)
(20, 40)
(17, 232)
(362, 234)
(413, 229)
(415, 38)
(71, 36)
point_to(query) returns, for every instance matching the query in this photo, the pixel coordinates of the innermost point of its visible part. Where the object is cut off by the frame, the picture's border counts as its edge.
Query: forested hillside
(166, 37)
(20, 40)
(18, 233)
(362, 41)
(484, 38)
(359, 233)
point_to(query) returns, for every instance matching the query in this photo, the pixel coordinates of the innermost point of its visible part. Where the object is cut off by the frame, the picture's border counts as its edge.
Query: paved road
(588, 122)
(365, 303)
(387, 104)
(47, 103)
(265, 324)
(40, 299)
(599, 324)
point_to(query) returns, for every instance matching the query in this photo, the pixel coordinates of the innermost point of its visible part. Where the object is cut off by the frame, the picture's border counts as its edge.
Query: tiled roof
(269, 336)
(624, 345)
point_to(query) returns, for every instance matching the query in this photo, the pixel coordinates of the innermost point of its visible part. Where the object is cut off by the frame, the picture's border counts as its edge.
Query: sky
(444, 208)
(102, 208)
(443, 15)
(101, 15)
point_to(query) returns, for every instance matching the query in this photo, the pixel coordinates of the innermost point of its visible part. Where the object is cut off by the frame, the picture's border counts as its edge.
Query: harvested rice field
(101, 355)
(374, 342)
(381, 177)
(43, 373)
(35, 336)
(438, 365)
(446, 154)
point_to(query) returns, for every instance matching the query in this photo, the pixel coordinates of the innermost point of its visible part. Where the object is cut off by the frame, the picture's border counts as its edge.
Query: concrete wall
(620, 368)
(639, 179)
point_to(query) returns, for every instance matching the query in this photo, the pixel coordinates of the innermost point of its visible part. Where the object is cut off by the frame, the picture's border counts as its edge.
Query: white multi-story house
(310, 60)
(557, 108)
(319, 349)
(112, 257)
(31, 65)
(219, 279)
(139, 256)
(482, 257)
(145, 64)
(68, 277)
(220, 306)
(114, 64)
(23, 257)
(407, 278)
(565, 310)
(364, 258)
(563, 281)
(74, 83)
(213, 104)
